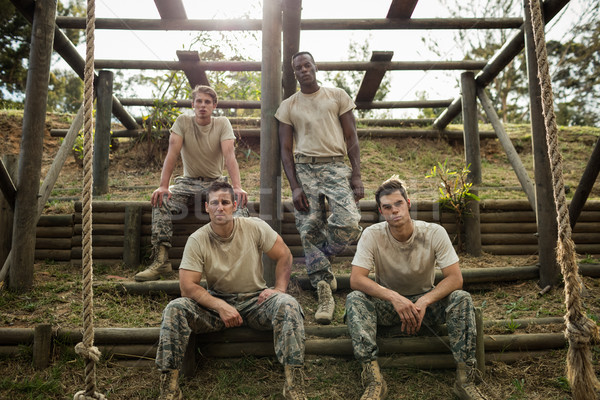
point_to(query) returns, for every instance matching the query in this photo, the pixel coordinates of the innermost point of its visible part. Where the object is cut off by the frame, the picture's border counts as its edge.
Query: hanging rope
(86, 348)
(580, 330)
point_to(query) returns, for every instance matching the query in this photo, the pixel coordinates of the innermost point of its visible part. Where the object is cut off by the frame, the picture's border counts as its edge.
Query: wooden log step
(112, 335)
(113, 252)
(99, 240)
(56, 220)
(53, 243)
(54, 231)
(53, 254)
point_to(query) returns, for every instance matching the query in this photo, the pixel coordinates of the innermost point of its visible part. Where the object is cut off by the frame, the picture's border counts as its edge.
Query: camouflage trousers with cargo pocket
(187, 197)
(323, 236)
(364, 313)
(280, 312)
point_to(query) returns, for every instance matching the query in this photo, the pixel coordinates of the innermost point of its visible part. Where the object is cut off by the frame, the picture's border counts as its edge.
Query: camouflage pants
(187, 195)
(364, 313)
(280, 312)
(324, 236)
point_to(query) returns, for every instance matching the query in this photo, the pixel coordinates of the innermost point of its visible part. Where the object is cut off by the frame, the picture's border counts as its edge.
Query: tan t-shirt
(201, 152)
(406, 267)
(233, 264)
(315, 119)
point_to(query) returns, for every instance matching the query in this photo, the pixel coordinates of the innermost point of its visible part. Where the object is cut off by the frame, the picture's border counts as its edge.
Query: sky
(407, 45)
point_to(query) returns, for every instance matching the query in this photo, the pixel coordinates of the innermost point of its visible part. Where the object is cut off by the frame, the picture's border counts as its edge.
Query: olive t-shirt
(405, 267)
(201, 152)
(315, 119)
(233, 264)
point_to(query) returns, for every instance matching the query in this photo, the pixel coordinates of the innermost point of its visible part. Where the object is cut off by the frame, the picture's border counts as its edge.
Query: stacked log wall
(508, 227)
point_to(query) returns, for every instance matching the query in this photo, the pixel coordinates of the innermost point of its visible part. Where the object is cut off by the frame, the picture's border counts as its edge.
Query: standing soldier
(320, 122)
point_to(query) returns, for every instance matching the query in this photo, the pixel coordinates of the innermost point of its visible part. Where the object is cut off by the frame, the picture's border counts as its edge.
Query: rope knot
(90, 353)
(82, 396)
(581, 333)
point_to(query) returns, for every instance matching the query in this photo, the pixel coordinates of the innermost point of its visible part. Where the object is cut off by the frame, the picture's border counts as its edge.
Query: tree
(15, 44)
(65, 91)
(350, 80)
(508, 90)
(15, 34)
(576, 74)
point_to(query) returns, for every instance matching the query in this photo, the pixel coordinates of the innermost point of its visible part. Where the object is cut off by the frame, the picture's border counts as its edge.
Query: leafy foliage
(15, 45)
(454, 191)
(576, 75)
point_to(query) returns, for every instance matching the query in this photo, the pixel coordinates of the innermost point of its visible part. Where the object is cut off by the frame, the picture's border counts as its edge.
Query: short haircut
(217, 186)
(390, 186)
(206, 90)
(303, 53)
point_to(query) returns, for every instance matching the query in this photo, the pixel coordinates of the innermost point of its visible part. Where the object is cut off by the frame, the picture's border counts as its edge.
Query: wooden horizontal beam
(256, 104)
(322, 65)
(307, 24)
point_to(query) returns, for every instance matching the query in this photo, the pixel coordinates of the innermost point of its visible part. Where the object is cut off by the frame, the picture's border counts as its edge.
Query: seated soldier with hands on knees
(227, 252)
(403, 254)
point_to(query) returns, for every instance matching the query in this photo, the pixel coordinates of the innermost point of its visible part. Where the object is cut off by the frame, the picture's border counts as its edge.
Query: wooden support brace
(373, 77)
(195, 74)
(7, 185)
(170, 9)
(402, 8)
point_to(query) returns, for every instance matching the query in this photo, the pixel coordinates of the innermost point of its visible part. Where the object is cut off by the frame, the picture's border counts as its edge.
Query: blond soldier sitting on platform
(206, 145)
(403, 254)
(227, 252)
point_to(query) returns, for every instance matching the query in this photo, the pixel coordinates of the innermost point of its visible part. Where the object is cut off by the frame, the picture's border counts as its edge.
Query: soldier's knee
(178, 305)
(354, 298)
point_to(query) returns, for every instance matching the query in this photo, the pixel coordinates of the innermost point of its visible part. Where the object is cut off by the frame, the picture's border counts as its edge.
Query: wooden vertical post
(100, 162)
(6, 211)
(547, 225)
(292, 11)
(30, 158)
(270, 160)
(131, 240)
(42, 344)
(473, 159)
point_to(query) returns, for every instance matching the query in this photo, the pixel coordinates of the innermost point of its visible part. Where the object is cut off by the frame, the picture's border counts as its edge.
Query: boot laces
(373, 388)
(324, 298)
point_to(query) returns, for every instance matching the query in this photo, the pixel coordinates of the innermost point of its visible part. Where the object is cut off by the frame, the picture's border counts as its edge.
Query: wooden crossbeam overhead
(373, 77)
(402, 8)
(306, 24)
(195, 73)
(170, 9)
(323, 65)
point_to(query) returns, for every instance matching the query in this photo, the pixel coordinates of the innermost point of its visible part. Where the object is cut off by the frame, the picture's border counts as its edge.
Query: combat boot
(161, 265)
(325, 308)
(293, 388)
(464, 386)
(169, 385)
(373, 382)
